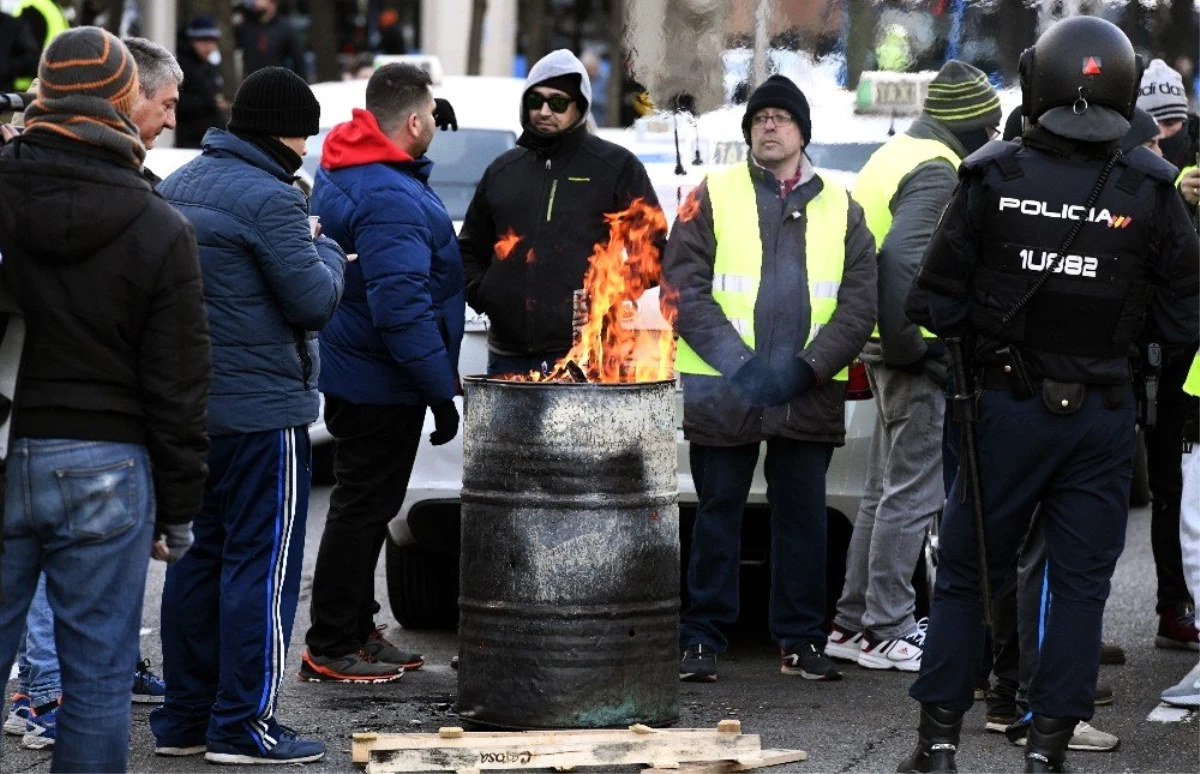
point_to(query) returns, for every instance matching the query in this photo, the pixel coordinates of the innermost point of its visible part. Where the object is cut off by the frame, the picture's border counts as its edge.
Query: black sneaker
(357, 667)
(699, 664)
(809, 661)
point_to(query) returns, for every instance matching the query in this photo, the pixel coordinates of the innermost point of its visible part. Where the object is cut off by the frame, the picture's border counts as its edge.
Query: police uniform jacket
(715, 413)
(1013, 209)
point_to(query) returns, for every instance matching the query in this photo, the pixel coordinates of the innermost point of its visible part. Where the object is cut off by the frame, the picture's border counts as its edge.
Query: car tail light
(858, 387)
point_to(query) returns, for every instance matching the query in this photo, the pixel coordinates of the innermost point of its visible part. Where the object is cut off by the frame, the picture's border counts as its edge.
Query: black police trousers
(1078, 467)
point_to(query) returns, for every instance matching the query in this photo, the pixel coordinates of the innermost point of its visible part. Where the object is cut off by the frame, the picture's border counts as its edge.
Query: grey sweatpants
(903, 491)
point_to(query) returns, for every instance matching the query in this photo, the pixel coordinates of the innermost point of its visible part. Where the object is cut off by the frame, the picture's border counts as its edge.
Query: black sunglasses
(557, 103)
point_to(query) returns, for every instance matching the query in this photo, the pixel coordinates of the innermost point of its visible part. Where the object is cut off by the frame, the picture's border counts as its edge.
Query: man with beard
(390, 352)
(552, 191)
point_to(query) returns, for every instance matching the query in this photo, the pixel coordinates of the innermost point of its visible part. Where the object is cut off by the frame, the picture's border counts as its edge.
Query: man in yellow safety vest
(903, 189)
(46, 19)
(774, 273)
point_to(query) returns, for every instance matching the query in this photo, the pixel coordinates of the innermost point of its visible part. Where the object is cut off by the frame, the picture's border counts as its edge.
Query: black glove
(776, 385)
(443, 116)
(178, 538)
(445, 420)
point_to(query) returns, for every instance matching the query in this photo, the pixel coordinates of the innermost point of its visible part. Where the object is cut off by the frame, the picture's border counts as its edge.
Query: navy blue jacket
(267, 284)
(396, 336)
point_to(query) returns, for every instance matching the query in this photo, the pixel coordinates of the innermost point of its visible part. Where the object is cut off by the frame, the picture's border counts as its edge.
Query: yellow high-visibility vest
(880, 178)
(56, 22)
(737, 267)
(1191, 385)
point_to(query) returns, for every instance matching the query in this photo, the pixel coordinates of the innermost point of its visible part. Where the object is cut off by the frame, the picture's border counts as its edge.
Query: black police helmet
(1081, 79)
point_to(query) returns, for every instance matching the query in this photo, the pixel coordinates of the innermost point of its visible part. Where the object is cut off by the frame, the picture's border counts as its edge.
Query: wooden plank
(420, 752)
(769, 758)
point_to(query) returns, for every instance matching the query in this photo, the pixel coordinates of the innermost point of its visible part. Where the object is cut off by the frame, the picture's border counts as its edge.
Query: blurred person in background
(202, 104)
(19, 50)
(266, 39)
(45, 19)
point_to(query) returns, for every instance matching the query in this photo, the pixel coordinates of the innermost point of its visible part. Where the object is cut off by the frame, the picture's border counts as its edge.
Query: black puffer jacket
(108, 277)
(554, 198)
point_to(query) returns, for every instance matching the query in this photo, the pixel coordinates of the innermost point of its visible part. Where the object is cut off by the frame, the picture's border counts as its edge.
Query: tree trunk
(616, 66)
(114, 10)
(859, 39)
(533, 22)
(475, 39)
(322, 38)
(1017, 31)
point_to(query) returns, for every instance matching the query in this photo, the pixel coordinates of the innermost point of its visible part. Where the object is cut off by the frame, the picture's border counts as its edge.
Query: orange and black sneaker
(358, 667)
(382, 649)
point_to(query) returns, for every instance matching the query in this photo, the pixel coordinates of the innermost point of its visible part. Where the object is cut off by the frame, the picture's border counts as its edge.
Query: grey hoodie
(556, 63)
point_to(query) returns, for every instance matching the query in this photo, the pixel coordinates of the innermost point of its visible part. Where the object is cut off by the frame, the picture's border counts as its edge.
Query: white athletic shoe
(843, 644)
(903, 654)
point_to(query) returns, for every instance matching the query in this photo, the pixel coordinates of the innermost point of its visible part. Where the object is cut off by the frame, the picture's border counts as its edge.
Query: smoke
(675, 49)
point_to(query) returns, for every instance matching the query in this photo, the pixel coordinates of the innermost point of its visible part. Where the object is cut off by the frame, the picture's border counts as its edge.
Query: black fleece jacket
(108, 278)
(553, 195)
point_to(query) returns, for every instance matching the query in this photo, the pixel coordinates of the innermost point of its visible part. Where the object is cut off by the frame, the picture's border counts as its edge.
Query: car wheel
(422, 587)
(1139, 490)
(926, 571)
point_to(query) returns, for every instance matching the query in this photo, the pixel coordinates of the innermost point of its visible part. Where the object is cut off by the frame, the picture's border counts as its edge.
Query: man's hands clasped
(766, 384)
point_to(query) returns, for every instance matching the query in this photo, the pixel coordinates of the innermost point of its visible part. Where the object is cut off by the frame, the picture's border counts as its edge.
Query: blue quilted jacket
(267, 284)
(396, 336)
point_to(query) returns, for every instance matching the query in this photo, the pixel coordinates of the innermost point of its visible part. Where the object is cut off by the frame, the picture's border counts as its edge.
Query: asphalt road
(863, 723)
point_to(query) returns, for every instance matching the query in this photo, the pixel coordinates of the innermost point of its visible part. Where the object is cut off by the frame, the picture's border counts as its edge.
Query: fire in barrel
(570, 526)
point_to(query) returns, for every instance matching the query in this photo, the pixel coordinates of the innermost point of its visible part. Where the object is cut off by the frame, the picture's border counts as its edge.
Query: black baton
(964, 411)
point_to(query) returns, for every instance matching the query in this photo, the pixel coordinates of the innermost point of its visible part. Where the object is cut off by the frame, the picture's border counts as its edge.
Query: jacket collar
(219, 142)
(927, 128)
(551, 145)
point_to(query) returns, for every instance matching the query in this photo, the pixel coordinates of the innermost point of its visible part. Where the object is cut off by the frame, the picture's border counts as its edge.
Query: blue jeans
(83, 513)
(795, 473)
(38, 675)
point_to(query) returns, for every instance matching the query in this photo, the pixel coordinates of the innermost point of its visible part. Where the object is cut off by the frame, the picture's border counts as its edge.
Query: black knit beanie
(779, 91)
(275, 101)
(568, 83)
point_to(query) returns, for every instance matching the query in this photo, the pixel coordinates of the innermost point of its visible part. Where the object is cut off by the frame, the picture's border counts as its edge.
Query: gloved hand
(443, 114)
(177, 539)
(445, 420)
(765, 385)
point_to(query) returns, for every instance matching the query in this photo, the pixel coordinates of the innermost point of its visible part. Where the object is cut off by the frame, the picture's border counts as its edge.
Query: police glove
(443, 115)
(176, 537)
(445, 421)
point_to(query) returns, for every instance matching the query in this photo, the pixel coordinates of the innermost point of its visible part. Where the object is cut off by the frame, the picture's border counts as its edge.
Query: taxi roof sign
(898, 94)
(427, 62)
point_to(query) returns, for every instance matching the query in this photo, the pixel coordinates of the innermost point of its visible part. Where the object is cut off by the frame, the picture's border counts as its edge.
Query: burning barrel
(569, 601)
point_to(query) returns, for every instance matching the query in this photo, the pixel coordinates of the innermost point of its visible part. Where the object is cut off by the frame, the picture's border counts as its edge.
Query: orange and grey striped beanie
(87, 84)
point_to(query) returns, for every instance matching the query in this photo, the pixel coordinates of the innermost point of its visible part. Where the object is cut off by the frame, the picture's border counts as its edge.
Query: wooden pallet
(725, 749)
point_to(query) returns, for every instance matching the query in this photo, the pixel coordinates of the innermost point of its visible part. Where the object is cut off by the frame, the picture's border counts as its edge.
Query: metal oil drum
(569, 596)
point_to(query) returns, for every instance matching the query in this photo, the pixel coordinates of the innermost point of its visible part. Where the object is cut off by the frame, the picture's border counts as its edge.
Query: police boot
(937, 741)
(1046, 745)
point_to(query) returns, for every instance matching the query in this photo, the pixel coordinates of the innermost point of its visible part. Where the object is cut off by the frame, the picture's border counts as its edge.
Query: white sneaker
(902, 654)
(843, 644)
(1185, 693)
(1086, 738)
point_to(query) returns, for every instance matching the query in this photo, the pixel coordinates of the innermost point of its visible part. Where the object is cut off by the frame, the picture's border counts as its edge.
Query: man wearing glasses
(536, 215)
(775, 273)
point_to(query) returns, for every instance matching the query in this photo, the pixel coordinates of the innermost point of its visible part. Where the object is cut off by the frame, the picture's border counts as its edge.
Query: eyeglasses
(558, 103)
(780, 119)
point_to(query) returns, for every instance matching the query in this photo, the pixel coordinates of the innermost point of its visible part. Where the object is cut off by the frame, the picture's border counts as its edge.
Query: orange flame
(690, 207)
(506, 243)
(611, 346)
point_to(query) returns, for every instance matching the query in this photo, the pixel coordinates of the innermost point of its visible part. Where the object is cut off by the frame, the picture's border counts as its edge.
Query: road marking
(1165, 713)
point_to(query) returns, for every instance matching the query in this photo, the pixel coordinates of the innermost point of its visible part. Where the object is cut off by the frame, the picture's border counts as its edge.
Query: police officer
(1044, 260)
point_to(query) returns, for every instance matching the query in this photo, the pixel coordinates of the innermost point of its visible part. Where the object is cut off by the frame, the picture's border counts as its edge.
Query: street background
(863, 723)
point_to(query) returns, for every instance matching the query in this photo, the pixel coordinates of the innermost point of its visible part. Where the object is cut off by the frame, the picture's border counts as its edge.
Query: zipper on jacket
(550, 206)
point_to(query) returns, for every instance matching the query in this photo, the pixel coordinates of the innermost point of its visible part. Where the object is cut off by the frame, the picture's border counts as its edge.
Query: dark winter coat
(270, 44)
(268, 285)
(19, 51)
(197, 111)
(108, 278)
(395, 338)
(714, 412)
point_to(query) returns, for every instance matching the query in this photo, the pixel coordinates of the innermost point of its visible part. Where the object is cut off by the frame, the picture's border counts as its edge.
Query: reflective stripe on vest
(737, 266)
(56, 22)
(1191, 385)
(880, 179)
(1183, 173)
